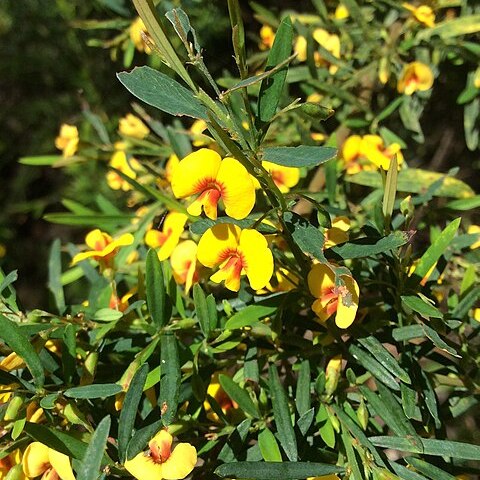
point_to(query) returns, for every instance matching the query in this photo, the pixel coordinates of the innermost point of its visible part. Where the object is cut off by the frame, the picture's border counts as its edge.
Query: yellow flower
(338, 233)
(325, 477)
(476, 314)
(135, 32)
(423, 13)
(416, 76)
(129, 167)
(330, 42)
(473, 229)
(216, 391)
(184, 264)
(170, 166)
(196, 130)
(341, 12)
(67, 141)
(282, 281)
(315, 97)
(205, 174)
(39, 459)
(132, 126)
(373, 148)
(237, 252)
(476, 78)
(12, 461)
(162, 461)
(342, 300)
(103, 247)
(167, 238)
(352, 153)
(267, 36)
(300, 48)
(12, 362)
(284, 177)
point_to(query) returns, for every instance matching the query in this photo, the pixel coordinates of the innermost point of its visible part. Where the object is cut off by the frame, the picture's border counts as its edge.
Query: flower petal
(217, 240)
(97, 240)
(238, 191)
(35, 460)
(320, 279)
(346, 312)
(143, 467)
(257, 258)
(61, 464)
(180, 463)
(195, 168)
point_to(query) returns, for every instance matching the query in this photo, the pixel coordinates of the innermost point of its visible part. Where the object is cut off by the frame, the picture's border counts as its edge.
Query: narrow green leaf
(10, 333)
(90, 467)
(408, 333)
(162, 92)
(390, 192)
(465, 204)
(372, 365)
(239, 395)
(429, 470)
(141, 438)
(126, 422)
(238, 36)
(107, 315)
(94, 391)
(155, 286)
(282, 416)
(353, 461)
(369, 246)
(438, 341)
(40, 160)
(408, 400)
(201, 309)
(212, 312)
(69, 353)
(466, 303)
(302, 156)
(303, 395)
(436, 249)
(271, 88)
(249, 316)
(276, 470)
(405, 473)
(418, 305)
(382, 355)
(305, 421)
(88, 220)
(269, 446)
(170, 379)
(452, 28)
(54, 275)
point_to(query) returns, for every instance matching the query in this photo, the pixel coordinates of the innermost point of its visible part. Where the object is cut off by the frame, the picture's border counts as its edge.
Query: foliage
(286, 309)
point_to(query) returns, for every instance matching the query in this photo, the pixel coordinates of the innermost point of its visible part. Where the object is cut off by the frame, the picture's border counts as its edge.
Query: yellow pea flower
(282, 281)
(132, 126)
(416, 76)
(167, 238)
(373, 148)
(34, 413)
(267, 37)
(237, 252)
(315, 97)
(184, 264)
(205, 174)
(103, 247)
(12, 362)
(162, 461)
(170, 167)
(352, 154)
(476, 314)
(284, 177)
(330, 42)
(341, 12)
(129, 167)
(39, 459)
(196, 130)
(476, 78)
(331, 299)
(300, 48)
(135, 32)
(423, 13)
(67, 140)
(472, 229)
(216, 391)
(338, 233)
(10, 462)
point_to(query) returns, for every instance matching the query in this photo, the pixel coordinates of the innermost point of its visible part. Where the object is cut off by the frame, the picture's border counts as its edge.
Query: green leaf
(369, 246)
(428, 469)
(420, 306)
(102, 390)
(126, 422)
(372, 365)
(408, 333)
(436, 249)
(248, 316)
(90, 467)
(302, 156)
(40, 160)
(203, 312)
(353, 461)
(271, 88)
(239, 395)
(10, 333)
(156, 293)
(141, 438)
(382, 355)
(451, 28)
(464, 204)
(282, 416)
(181, 23)
(268, 446)
(438, 342)
(88, 220)
(303, 395)
(107, 315)
(467, 301)
(276, 470)
(201, 226)
(170, 378)
(390, 192)
(163, 92)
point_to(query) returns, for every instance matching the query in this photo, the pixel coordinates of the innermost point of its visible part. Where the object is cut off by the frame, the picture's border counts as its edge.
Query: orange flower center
(278, 177)
(160, 453)
(163, 236)
(412, 80)
(330, 297)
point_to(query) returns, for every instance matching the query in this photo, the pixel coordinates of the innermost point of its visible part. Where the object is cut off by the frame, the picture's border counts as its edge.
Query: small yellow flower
(39, 459)
(282, 281)
(330, 299)
(103, 247)
(196, 130)
(34, 413)
(341, 12)
(12, 362)
(300, 48)
(352, 153)
(267, 36)
(338, 233)
(476, 314)
(129, 167)
(476, 78)
(170, 167)
(373, 148)
(315, 97)
(67, 140)
(416, 76)
(135, 32)
(330, 42)
(284, 177)
(10, 462)
(162, 461)
(216, 391)
(205, 174)
(184, 264)
(167, 238)
(473, 229)
(237, 252)
(132, 126)
(423, 13)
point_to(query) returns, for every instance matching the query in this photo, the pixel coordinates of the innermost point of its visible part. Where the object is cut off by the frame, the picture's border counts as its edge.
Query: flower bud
(333, 371)
(13, 407)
